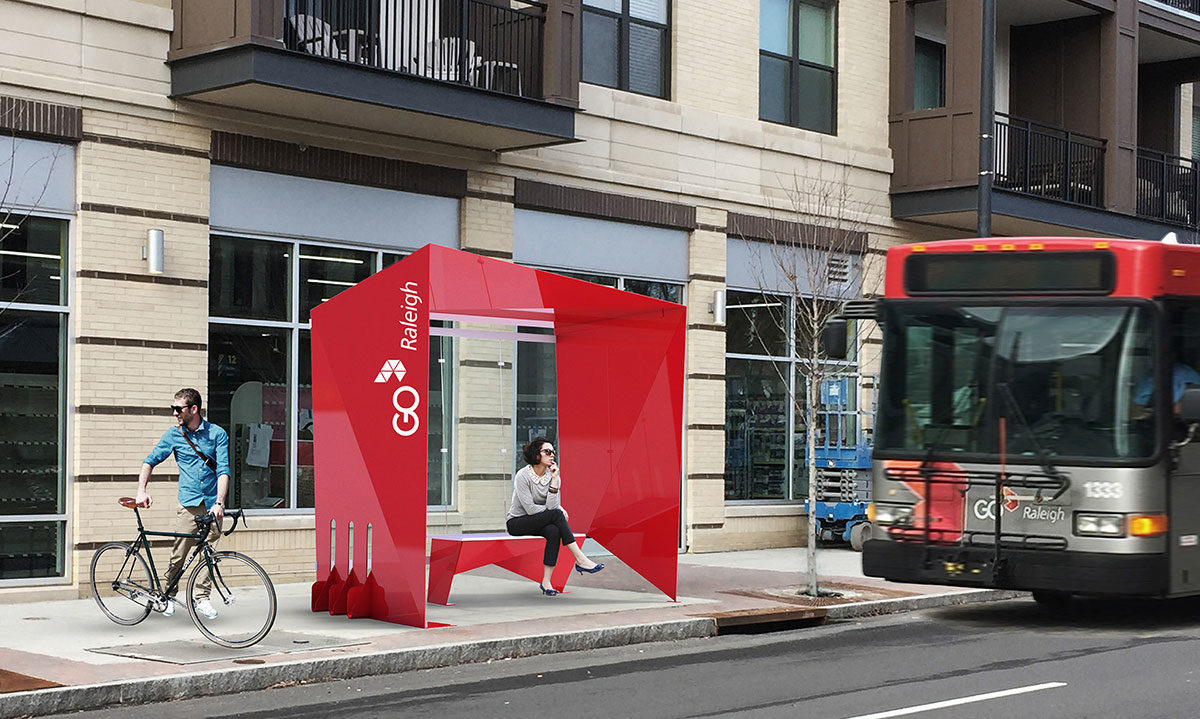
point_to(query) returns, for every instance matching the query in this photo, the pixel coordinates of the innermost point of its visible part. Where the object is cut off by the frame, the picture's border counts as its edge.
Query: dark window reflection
(326, 271)
(249, 278)
(657, 290)
(31, 259)
(30, 413)
(756, 436)
(31, 549)
(756, 324)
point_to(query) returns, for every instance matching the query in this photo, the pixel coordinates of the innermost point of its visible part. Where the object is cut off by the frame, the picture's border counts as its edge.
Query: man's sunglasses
(176, 409)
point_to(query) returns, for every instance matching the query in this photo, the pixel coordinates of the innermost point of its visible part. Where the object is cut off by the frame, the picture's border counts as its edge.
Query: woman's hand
(554, 480)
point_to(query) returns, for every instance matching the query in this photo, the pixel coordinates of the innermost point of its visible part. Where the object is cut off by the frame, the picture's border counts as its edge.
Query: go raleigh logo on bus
(986, 508)
(405, 400)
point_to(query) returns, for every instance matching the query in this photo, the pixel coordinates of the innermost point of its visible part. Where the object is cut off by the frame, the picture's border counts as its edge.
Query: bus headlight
(893, 514)
(1095, 524)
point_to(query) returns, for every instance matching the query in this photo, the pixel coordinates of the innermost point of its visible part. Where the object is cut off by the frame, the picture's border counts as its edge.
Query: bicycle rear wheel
(121, 583)
(242, 595)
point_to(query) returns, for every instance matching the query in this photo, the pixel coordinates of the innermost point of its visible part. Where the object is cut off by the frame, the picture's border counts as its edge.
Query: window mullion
(794, 69)
(623, 41)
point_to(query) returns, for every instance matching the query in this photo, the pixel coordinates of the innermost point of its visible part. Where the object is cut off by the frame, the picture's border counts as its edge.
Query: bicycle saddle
(129, 502)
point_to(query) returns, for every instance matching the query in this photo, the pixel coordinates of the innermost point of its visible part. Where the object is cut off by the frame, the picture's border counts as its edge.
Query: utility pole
(987, 118)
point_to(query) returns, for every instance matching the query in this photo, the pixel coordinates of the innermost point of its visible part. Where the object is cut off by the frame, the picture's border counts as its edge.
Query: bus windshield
(1061, 377)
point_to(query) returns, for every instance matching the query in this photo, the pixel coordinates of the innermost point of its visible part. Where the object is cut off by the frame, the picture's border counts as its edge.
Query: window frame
(793, 362)
(65, 310)
(794, 63)
(295, 328)
(624, 21)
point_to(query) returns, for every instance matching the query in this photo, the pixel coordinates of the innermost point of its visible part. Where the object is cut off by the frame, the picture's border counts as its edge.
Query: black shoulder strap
(204, 457)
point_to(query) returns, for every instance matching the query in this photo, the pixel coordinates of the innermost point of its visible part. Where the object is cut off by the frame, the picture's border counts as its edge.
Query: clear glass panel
(484, 430)
(537, 395)
(601, 49)
(326, 271)
(247, 387)
(775, 26)
(647, 59)
(756, 324)
(658, 290)
(390, 258)
(756, 447)
(31, 549)
(441, 410)
(816, 32)
(812, 311)
(774, 89)
(249, 279)
(30, 413)
(814, 107)
(652, 10)
(610, 5)
(930, 75)
(31, 259)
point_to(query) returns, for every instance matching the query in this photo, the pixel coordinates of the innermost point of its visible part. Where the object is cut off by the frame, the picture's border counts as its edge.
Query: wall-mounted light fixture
(718, 307)
(152, 251)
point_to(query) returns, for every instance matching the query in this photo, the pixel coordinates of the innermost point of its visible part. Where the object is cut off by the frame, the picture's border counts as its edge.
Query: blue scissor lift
(843, 460)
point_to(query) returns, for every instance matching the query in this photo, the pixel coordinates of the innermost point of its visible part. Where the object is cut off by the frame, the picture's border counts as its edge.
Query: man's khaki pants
(185, 524)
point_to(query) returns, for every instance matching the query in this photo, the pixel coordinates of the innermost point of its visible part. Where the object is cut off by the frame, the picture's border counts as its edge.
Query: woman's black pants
(551, 524)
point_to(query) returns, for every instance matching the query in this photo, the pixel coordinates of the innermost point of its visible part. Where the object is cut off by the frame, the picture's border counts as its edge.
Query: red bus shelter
(620, 372)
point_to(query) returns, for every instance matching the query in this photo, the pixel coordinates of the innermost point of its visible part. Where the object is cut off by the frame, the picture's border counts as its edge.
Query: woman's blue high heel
(593, 570)
(548, 592)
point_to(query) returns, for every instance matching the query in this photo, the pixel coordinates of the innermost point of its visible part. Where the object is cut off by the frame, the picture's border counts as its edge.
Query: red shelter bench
(451, 554)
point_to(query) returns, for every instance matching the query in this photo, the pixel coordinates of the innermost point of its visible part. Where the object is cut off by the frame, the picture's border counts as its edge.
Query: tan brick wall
(761, 532)
(714, 63)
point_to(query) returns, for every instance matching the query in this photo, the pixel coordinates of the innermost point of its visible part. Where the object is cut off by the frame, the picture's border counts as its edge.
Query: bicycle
(241, 591)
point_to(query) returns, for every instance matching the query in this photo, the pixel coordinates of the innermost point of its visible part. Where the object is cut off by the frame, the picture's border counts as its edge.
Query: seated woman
(536, 510)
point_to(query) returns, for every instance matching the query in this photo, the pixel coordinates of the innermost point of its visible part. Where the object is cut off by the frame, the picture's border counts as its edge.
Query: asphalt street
(1004, 659)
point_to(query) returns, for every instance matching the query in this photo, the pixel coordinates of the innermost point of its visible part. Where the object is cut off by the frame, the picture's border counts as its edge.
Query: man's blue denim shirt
(197, 483)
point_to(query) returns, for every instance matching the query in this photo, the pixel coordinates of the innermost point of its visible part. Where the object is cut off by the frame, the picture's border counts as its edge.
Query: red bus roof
(1143, 268)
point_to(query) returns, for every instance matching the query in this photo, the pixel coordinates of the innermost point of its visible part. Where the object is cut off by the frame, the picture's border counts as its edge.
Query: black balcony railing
(1166, 187)
(467, 42)
(1049, 161)
(1192, 6)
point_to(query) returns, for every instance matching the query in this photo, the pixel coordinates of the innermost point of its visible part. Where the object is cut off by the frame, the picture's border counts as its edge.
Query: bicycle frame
(142, 543)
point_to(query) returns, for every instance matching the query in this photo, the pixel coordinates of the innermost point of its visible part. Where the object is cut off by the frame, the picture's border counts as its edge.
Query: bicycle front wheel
(241, 594)
(121, 583)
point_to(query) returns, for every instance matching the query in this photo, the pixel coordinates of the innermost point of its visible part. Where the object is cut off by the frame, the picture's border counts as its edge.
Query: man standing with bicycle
(201, 450)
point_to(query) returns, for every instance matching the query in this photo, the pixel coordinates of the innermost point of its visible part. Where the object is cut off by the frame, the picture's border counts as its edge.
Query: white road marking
(963, 700)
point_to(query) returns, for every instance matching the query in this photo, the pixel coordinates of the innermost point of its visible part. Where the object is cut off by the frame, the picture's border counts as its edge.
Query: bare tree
(814, 262)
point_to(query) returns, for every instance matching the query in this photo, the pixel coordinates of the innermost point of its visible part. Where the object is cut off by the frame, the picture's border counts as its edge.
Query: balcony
(1191, 6)
(471, 73)
(1166, 187)
(1050, 162)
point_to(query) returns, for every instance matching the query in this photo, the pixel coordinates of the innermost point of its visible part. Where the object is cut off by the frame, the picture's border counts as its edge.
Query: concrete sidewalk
(65, 655)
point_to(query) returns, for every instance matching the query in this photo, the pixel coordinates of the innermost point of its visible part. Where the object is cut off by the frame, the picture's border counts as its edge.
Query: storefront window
(326, 271)
(248, 396)
(33, 319)
(31, 253)
(765, 398)
(249, 279)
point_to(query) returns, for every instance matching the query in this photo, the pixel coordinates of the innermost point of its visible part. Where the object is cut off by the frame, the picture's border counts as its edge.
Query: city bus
(1036, 419)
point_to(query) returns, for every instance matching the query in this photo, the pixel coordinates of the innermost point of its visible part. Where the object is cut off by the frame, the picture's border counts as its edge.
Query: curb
(251, 678)
(925, 601)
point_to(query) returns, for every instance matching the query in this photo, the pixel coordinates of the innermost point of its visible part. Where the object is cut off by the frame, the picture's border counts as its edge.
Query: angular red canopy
(620, 365)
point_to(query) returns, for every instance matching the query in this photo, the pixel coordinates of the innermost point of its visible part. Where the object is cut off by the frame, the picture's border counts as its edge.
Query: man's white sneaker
(205, 607)
(170, 610)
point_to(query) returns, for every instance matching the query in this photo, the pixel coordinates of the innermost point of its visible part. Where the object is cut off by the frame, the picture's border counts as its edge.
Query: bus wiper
(1042, 455)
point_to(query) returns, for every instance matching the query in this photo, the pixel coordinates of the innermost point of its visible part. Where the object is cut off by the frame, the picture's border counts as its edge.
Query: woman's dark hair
(533, 450)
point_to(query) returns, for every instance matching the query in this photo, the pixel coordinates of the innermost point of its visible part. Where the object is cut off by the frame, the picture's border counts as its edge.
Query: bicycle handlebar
(205, 520)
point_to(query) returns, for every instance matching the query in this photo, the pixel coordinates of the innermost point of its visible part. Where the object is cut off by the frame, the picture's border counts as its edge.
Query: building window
(33, 322)
(261, 295)
(929, 90)
(797, 76)
(626, 45)
(765, 441)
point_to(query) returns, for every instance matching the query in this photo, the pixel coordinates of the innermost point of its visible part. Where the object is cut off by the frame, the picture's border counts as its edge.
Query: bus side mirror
(1189, 404)
(834, 338)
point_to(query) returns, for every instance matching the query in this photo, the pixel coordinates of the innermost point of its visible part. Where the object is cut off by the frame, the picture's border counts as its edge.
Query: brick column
(484, 391)
(705, 460)
(138, 337)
